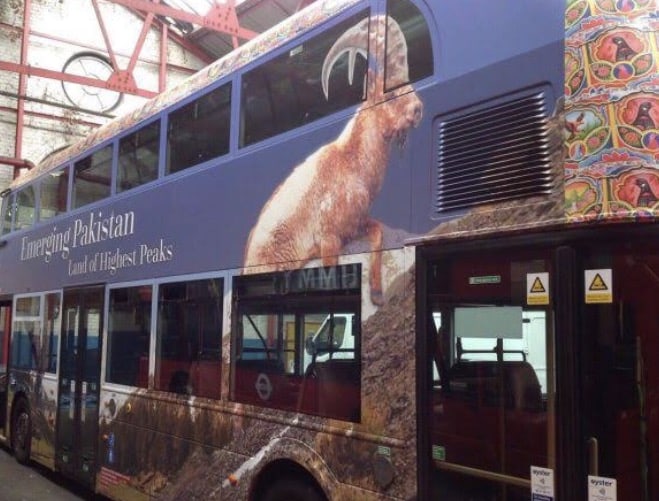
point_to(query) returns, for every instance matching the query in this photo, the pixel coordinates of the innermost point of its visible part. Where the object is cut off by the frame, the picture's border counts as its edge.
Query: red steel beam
(186, 44)
(122, 77)
(121, 80)
(95, 48)
(106, 38)
(22, 83)
(140, 42)
(162, 75)
(194, 49)
(221, 18)
(54, 118)
(26, 69)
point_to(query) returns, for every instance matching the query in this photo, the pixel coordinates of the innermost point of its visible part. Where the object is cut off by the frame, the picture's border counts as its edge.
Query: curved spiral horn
(398, 70)
(355, 41)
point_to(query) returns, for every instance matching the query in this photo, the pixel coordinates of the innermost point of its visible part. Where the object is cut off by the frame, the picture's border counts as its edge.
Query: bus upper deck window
(53, 194)
(91, 181)
(25, 208)
(199, 131)
(287, 91)
(418, 61)
(138, 157)
(7, 212)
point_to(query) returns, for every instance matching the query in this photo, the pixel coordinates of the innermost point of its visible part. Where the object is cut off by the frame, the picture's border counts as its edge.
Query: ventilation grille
(493, 155)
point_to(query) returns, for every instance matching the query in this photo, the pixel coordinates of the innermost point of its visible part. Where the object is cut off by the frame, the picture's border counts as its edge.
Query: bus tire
(292, 489)
(21, 431)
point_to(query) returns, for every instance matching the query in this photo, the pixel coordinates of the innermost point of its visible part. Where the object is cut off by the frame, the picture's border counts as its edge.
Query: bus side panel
(45, 408)
(39, 390)
(180, 446)
(207, 214)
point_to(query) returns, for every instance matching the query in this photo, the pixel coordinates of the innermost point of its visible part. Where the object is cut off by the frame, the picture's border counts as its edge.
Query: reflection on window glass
(492, 364)
(51, 339)
(199, 131)
(419, 57)
(8, 210)
(92, 177)
(25, 208)
(189, 338)
(4, 315)
(297, 345)
(138, 157)
(27, 306)
(26, 332)
(93, 326)
(287, 91)
(53, 194)
(129, 327)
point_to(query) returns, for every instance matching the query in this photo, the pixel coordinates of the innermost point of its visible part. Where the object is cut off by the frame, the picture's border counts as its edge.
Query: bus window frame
(118, 140)
(283, 60)
(291, 388)
(166, 117)
(8, 208)
(56, 174)
(158, 359)
(225, 276)
(428, 20)
(88, 155)
(34, 187)
(107, 337)
(43, 362)
(369, 10)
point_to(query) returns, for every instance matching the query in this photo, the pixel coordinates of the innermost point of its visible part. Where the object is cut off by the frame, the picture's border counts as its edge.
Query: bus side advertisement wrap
(303, 275)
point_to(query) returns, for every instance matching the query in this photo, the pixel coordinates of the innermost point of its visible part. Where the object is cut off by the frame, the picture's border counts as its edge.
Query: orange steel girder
(221, 18)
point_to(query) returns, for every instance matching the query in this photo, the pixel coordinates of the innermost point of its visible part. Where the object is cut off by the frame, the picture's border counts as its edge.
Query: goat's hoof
(377, 298)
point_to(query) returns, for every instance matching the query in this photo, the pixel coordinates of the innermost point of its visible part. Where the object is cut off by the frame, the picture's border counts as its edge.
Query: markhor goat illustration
(324, 203)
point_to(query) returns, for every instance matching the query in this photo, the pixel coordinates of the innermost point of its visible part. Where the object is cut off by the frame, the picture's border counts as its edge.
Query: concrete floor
(35, 483)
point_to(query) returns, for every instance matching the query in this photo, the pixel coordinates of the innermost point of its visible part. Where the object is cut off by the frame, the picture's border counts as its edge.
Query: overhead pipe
(17, 164)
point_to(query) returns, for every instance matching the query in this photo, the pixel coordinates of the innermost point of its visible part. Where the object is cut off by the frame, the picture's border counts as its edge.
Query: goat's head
(396, 116)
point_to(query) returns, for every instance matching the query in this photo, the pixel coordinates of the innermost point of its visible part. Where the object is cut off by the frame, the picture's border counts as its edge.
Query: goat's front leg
(330, 248)
(373, 231)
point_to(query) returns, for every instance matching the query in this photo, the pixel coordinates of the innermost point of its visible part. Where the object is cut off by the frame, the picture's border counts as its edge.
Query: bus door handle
(593, 456)
(83, 402)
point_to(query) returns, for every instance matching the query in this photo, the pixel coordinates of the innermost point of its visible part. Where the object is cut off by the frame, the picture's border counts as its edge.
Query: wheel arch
(20, 399)
(17, 397)
(282, 468)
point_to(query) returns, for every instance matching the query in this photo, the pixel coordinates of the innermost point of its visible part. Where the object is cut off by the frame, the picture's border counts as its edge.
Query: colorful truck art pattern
(612, 109)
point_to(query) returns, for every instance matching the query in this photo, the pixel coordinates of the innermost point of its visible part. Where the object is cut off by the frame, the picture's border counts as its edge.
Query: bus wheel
(21, 432)
(292, 489)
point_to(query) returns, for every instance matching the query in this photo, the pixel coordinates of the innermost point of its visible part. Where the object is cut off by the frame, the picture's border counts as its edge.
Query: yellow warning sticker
(537, 288)
(598, 286)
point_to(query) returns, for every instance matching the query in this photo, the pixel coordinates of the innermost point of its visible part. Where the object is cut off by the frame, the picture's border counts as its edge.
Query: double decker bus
(389, 249)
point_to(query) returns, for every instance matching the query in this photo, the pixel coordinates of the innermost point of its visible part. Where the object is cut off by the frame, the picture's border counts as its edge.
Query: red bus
(389, 249)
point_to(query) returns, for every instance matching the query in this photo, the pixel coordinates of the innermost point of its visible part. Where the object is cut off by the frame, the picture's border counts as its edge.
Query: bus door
(79, 381)
(491, 405)
(618, 351)
(571, 398)
(5, 334)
